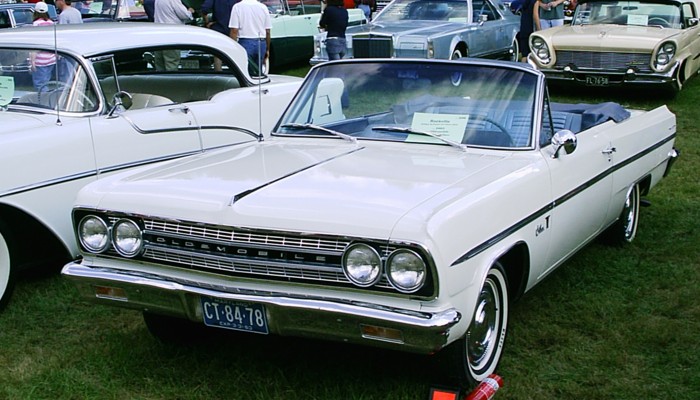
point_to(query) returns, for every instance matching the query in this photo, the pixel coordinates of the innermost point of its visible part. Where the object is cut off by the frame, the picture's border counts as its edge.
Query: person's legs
(41, 76)
(335, 48)
(365, 8)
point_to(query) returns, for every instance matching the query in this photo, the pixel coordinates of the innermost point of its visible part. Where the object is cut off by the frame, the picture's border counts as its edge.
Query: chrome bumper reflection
(290, 315)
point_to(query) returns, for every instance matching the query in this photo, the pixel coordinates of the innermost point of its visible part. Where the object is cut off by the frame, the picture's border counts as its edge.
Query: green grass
(611, 323)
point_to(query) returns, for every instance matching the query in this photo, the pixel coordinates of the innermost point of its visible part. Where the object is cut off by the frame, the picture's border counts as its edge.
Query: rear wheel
(7, 276)
(476, 355)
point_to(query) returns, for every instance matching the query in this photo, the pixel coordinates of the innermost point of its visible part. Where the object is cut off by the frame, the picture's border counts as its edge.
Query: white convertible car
(399, 203)
(104, 105)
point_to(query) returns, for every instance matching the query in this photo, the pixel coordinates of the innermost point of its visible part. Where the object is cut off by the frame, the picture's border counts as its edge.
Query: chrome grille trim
(239, 236)
(608, 61)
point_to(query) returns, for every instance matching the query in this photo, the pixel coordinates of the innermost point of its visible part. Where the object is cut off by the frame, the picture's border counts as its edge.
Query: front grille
(606, 61)
(372, 47)
(253, 254)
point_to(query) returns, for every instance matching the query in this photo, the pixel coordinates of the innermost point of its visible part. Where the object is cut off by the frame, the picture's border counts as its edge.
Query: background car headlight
(665, 54)
(540, 48)
(362, 265)
(406, 270)
(93, 234)
(127, 238)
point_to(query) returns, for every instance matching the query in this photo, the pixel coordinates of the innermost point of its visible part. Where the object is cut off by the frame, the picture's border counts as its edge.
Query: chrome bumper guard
(287, 314)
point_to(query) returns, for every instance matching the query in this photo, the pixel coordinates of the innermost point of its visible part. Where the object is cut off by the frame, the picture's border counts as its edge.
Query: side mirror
(121, 101)
(693, 22)
(564, 139)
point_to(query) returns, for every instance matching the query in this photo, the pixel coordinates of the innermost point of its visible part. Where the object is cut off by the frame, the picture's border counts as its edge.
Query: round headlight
(93, 234)
(362, 265)
(665, 54)
(126, 237)
(540, 48)
(406, 270)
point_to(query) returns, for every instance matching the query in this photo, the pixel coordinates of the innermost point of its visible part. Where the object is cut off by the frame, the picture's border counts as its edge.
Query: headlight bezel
(132, 250)
(84, 243)
(375, 277)
(665, 55)
(540, 49)
(389, 270)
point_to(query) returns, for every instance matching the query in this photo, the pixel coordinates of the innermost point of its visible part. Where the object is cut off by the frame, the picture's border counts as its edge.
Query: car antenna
(261, 64)
(56, 74)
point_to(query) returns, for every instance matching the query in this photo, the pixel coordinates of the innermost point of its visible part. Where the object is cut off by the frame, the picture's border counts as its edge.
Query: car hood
(406, 28)
(329, 187)
(607, 37)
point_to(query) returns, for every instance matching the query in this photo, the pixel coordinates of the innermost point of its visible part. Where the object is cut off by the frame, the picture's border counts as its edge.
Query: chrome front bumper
(287, 314)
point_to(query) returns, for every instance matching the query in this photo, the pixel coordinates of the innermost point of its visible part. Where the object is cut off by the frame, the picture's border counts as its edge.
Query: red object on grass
(487, 388)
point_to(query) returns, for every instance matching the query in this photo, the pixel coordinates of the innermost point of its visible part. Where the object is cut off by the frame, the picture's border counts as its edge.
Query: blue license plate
(228, 314)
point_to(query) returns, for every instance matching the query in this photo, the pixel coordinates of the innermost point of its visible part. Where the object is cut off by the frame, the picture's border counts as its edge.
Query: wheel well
(461, 46)
(516, 263)
(645, 185)
(33, 242)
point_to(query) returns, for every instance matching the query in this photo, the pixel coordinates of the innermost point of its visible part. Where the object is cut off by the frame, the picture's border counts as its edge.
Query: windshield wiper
(452, 143)
(321, 129)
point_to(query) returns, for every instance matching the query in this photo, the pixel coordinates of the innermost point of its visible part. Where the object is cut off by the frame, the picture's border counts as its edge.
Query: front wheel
(6, 273)
(515, 51)
(457, 54)
(475, 356)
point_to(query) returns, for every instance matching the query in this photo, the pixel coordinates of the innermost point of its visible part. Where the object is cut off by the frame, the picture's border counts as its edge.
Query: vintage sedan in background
(399, 203)
(110, 10)
(446, 29)
(108, 107)
(644, 42)
(14, 14)
(294, 25)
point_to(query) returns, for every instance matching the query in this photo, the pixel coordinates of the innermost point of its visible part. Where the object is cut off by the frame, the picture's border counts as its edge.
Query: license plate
(240, 316)
(597, 80)
(190, 64)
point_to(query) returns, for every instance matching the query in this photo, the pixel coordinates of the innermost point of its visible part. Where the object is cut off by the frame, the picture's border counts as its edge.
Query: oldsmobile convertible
(629, 43)
(398, 203)
(108, 105)
(445, 29)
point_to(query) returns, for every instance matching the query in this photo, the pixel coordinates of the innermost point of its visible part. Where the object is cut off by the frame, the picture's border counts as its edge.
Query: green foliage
(611, 323)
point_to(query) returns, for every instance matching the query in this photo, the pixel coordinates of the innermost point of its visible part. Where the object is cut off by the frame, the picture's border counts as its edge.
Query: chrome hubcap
(482, 335)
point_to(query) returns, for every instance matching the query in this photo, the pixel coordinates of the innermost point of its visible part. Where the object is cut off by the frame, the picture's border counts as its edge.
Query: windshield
(431, 10)
(44, 79)
(662, 14)
(414, 101)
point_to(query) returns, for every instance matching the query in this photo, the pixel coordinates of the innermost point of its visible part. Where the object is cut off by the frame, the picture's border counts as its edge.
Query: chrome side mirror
(564, 139)
(693, 21)
(121, 101)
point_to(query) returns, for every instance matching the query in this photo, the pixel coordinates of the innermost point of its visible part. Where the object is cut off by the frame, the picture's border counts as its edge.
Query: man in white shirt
(69, 14)
(170, 12)
(250, 25)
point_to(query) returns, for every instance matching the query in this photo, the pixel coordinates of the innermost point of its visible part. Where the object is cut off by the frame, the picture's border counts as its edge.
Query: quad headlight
(406, 270)
(540, 48)
(665, 54)
(362, 264)
(127, 238)
(93, 234)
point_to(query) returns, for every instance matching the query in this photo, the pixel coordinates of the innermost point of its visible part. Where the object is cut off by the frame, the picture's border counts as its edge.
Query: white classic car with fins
(82, 101)
(399, 203)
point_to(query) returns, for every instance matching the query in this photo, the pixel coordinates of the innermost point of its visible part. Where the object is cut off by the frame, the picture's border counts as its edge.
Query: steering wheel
(486, 118)
(84, 102)
(659, 21)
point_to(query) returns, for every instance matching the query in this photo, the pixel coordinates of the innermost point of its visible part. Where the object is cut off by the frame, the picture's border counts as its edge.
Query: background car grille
(607, 61)
(247, 253)
(372, 47)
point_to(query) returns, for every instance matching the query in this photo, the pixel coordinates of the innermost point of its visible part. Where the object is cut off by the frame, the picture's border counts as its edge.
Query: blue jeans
(256, 49)
(335, 48)
(41, 76)
(367, 10)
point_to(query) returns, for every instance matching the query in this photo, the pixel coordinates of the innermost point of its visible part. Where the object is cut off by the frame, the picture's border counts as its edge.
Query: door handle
(183, 109)
(609, 150)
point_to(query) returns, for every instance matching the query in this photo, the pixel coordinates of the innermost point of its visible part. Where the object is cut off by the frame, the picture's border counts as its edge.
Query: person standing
(250, 25)
(68, 14)
(527, 26)
(220, 11)
(334, 21)
(43, 63)
(548, 13)
(367, 6)
(170, 12)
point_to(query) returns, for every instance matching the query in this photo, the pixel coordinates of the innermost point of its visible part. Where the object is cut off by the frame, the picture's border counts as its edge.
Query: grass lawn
(611, 323)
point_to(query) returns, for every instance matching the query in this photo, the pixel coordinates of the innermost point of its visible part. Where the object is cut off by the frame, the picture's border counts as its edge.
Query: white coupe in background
(108, 107)
(399, 203)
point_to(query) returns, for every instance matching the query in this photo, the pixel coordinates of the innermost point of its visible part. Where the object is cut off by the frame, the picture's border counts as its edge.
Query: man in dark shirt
(220, 11)
(334, 21)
